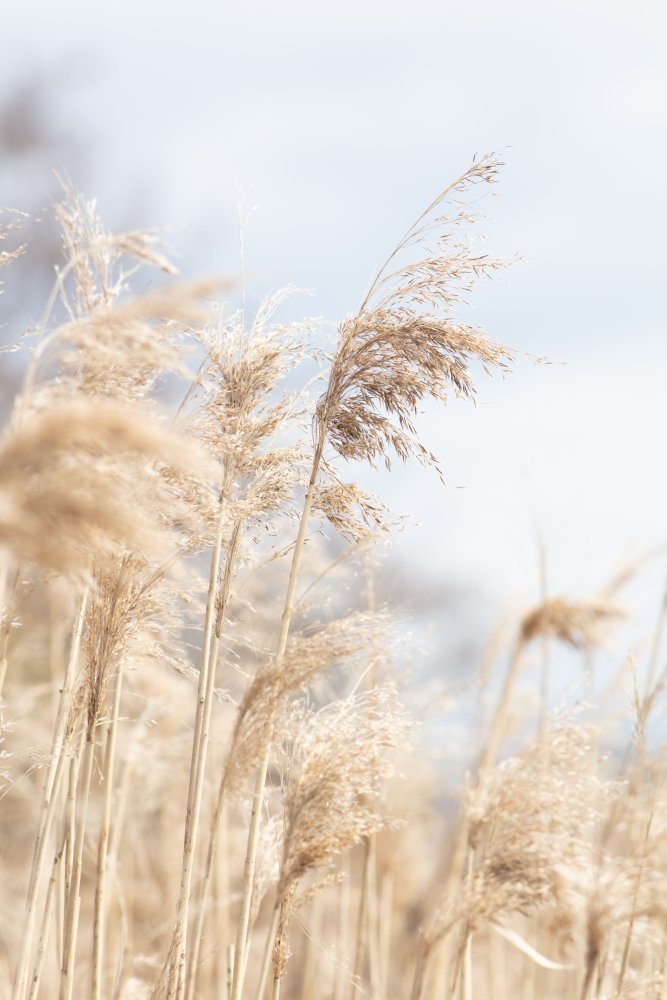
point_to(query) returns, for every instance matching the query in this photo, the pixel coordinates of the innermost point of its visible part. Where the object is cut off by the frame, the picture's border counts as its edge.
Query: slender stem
(100, 889)
(342, 965)
(386, 907)
(362, 918)
(18, 990)
(258, 795)
(499, 722)
(49, 793)
(374, 928)
(466, 985)
(309, 961)
(421, 969)
(198, 755)
(219, 914)
(230, 967)
(249, 876)
(458, 962)
(268, 951)
(46, 921)
(222, 602)
(544, 644)
(214, 835)
(655, 646)
(466, 970)
(487, 758)
(70, 838)
(7, 616)
(74, 901)
(635, 897)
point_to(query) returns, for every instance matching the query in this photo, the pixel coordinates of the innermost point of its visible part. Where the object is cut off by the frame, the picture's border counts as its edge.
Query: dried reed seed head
(134, 613)
(394, 353)
(628, 883)
(16, 220)
(270, 486)
(529, 824)
(121, 350)
(239, 413)
(357, 637)
(245, 420)
(387, 364)
(340, 758)
(640, 984)
(281, 949)
(577, 623)
(80, 479)
(354, 513)
(267, 868)
(95, 255)
(108, 348)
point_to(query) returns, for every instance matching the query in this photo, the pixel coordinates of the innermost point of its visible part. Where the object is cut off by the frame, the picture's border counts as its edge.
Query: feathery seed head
(341, 756)
(577, 623)
(404, 344)
(79, 480)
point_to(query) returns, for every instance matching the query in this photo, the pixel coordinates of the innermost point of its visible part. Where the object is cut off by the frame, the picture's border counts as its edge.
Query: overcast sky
(341, 121)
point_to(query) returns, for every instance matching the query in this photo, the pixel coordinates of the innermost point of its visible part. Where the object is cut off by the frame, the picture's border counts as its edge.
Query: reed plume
(341, 757)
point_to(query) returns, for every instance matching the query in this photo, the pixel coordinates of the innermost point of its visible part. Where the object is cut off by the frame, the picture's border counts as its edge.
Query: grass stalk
(310, 961)
(265, 969)
(217, 597)
(385, 935)
(499, 722)
(374, 925)
(52, 783)
(218, 601)
(635, 897)
(8, 612)
(58, 745)
(46, 921)
(342, 964)
(218, 915)
(260, 781)
(198, 928)
(466, 971)
(422, 966)
(99, 916)
(74, 899)
(363, 911)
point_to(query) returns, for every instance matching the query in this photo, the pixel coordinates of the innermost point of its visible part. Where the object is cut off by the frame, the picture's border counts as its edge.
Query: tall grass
(212, 787)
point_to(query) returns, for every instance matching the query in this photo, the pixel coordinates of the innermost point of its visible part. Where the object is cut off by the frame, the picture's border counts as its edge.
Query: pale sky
(342, 121)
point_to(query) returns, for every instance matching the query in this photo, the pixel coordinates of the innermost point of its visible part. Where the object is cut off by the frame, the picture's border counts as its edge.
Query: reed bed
(211, 783)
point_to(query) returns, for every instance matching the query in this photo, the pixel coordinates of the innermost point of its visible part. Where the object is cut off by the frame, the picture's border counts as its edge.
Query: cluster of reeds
(210, 782)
